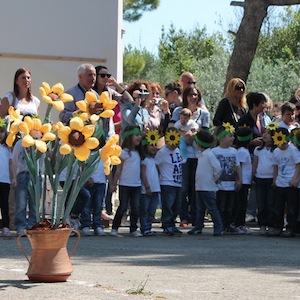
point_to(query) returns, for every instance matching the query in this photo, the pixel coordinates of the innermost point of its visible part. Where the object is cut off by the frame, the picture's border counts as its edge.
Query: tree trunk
(247, 36)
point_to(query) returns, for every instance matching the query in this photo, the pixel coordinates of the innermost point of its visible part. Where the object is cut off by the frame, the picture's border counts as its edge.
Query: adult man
(86, 80)
(186, 79)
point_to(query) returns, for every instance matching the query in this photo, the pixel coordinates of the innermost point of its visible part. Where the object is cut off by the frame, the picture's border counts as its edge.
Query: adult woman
(155, 113)
(191, 99)
(21, 97)
(233, 106)
(136, 113)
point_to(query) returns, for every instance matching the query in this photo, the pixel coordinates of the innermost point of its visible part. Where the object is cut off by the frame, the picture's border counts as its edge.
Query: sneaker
(262, 230)
(194, 231)
(99, 231)
(244, 230)
(250, 218)
(169, 231)
(233, 230)
(149, 233)
(218, 233)
(177, 231)
(288, 233)
(274, 232)
(74, 223)
(6, 231)
(85, 231)
(106, 216)
(136, 234)
(114, 232)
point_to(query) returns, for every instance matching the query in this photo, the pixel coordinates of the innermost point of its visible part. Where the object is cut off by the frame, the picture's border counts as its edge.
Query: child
(243, 137)
(286, 178)
(288, 116)
(169, 162)
(186, 126)
(206, 185)
(5, 178)
(150, 183)
(96, 186)
(128, 175)
(230, 178)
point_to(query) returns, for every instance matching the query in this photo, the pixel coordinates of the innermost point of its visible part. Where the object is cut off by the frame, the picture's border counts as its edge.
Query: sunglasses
(143, 91)
(239, 88)
(192, 82)
(104, 75)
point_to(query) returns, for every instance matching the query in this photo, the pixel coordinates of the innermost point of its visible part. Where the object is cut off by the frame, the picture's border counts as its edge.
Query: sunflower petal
(115, 160)
(10, 139)
(27, 141)
(41, 146)
(58, 105)
(65, 149)
(88, 130)
(49, 136)
(24, 128)
(90, 97)
(64, 97)
(63, 133)
(111, 104)
(82, 153)
(46, 87)
(82, 105)
(76, 123)
(58, 88)
(47, 99)
(107, 114)
(91, 143)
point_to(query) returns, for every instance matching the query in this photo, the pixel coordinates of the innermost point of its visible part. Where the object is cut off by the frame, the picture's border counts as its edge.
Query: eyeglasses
(143, 91)
(192, 82)
(239, 88)
(104, 75)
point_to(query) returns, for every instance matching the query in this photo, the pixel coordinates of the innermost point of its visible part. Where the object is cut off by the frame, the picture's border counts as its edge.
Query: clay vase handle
(20, 245)
(76, 244)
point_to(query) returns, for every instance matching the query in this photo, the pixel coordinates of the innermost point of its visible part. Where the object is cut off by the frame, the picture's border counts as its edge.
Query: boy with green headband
(230, 178)
(206, 186)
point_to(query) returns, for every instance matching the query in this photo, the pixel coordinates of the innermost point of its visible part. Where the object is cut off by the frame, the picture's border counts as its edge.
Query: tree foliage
(134, 9)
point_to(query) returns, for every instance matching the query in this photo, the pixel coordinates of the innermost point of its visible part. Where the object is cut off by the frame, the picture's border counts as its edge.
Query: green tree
(134, 9)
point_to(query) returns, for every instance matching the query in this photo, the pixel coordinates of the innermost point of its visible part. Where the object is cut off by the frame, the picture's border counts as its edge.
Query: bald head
(186, 79)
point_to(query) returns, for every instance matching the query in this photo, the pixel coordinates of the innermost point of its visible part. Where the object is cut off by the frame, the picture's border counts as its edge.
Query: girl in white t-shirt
(128, 176)
(243, 137)
(150, 184)
(5, 178)
(262, 174)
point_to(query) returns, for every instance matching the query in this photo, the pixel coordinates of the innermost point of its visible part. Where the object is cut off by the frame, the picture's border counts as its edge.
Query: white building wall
(53, 37)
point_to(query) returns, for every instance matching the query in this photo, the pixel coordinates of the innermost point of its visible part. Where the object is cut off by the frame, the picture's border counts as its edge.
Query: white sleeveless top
(25, 109)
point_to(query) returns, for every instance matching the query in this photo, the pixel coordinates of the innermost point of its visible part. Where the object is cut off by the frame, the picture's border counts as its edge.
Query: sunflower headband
(201, 143)
(228, 128)
(151, 138)
(245, 138)
(2, 123)
(279, 138)
(272, 126)
(132, 132)
(172, 137)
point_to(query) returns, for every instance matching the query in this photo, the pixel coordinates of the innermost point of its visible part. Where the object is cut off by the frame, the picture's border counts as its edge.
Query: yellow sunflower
(94, 108)
(36, 134)
(55, 95)
(279, 138)
(228, 127)
(78, 138)
(272, 126)
(152, 137)
(110, 153)
(172, 137)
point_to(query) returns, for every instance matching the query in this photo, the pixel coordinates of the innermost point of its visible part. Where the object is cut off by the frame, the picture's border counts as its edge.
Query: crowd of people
(244, 161)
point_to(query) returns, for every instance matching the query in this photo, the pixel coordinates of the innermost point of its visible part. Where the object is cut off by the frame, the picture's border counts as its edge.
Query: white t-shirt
(284, 125)
(286, 161)
(25, 109)
(5, 156)
(131, 169)
(170, 166)
(265, 163)
(190, 125)
(151, 174)
(246, 165)
(228, 159)
(207, 172)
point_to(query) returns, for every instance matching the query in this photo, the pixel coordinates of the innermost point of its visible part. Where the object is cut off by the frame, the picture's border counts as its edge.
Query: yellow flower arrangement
(279, 138)
(228, 127)
(63, 147)
(272, 126)
(152, 137)
(172, 137)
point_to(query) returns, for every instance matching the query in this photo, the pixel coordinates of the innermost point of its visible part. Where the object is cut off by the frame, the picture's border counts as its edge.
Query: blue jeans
(188, 194)
(148, 205)
(128, 195)
(207, 200)
(22, 199)
(93, 206)
(170, 201)
(265, 201)
(241, 205)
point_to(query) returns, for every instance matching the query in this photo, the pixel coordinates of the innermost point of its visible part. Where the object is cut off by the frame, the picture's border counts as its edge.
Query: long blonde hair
(230, 88)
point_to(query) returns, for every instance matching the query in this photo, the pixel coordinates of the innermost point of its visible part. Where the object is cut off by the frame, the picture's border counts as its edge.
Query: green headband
(145, 142)
(132, 132)
(295, 140)
(201, 143)
(245, 138)
(222, 133)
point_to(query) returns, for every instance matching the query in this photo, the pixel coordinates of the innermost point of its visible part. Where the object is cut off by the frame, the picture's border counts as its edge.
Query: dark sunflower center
(172, 137)
(152, 138)
(96, 108)
(280, 138)
(76, 138)
(36, 134)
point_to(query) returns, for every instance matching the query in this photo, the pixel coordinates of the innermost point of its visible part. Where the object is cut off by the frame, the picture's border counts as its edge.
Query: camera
(157, 101)
(144, 95)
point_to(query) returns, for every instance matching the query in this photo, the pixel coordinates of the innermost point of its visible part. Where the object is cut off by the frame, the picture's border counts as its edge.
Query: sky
(183, 14)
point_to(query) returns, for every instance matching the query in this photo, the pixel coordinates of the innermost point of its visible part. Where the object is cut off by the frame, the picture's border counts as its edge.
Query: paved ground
(171, 268)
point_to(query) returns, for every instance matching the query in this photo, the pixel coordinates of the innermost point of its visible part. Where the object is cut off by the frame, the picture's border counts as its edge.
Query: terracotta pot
(49, 261)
